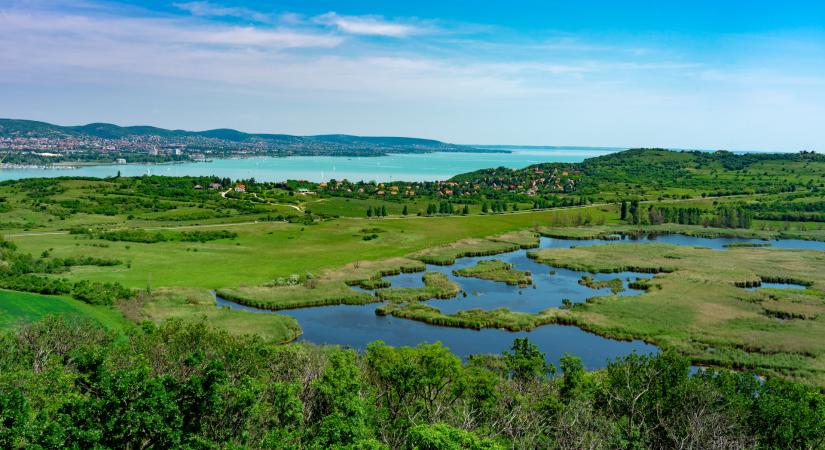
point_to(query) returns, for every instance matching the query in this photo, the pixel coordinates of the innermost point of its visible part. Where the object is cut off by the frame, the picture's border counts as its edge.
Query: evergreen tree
(634, 212)
(624, 211)
(369, 211)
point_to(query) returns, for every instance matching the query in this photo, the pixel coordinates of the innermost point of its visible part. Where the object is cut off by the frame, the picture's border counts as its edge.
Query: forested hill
(656, 168)
(334, 143)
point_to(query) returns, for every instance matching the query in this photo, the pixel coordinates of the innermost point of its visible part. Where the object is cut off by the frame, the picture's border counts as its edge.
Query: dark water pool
(357, 325)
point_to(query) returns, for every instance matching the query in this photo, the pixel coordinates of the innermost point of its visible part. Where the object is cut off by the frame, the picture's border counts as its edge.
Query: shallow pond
(550, 286)
(777, 286)
(358, 325)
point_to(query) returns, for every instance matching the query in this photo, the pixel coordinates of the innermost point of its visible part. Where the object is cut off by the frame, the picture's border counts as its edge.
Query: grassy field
(698, 308)
(199, 304)
(21, 307)
(332, 287)
(497, 271)
(594, 232)
(268, 250)
(477, 319)
(436, 285)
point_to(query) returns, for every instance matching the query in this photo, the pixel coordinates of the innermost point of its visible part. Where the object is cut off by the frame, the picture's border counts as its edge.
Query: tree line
(722, 217)
(66, 383)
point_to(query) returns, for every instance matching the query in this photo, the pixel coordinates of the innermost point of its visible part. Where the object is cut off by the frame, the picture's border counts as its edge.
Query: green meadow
(696, 303)
(23, 307)
(265, 251)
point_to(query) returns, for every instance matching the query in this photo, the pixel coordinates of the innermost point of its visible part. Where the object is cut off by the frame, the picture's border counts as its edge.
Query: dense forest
(69, 384)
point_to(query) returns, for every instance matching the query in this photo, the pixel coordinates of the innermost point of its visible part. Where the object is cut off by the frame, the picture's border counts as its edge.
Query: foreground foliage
(67, 384)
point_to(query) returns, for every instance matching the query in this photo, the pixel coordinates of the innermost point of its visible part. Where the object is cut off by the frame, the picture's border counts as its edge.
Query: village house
(240, 187)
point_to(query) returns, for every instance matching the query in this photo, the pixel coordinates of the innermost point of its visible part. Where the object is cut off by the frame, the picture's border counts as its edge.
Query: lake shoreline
(432, 166)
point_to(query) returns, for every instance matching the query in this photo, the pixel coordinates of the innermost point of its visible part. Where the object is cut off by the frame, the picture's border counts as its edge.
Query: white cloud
(368, 25)
(52, 31)
(207, 9)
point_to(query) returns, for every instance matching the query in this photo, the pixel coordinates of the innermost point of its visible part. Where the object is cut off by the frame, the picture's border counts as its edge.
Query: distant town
(30, 143)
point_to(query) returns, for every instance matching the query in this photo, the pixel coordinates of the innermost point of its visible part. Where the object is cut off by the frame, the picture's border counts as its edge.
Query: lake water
(397, 167)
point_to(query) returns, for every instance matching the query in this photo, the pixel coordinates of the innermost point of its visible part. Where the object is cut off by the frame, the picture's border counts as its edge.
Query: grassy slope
(17, 307)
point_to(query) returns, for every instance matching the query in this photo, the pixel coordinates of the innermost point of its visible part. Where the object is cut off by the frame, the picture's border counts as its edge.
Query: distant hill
(660, 169)
(10, 128)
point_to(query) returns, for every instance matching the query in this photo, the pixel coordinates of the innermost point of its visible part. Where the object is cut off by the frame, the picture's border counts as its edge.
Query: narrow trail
(297, 208)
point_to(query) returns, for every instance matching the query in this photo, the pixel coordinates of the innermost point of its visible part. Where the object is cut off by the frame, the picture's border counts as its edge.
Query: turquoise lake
(406, 167)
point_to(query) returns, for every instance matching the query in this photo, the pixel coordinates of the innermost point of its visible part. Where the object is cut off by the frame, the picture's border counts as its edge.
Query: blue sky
(698, 74)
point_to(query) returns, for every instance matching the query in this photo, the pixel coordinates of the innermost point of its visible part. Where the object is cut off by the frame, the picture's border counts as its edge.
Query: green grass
(698, 309)
(332, 287)
(436, 285)
(615, 284)
(195, 304)
(446, 255)
(21, 307)
(300, 296)
(523, 238)
(265, 251)
(594, 232)
(496, 271)
(477, 318)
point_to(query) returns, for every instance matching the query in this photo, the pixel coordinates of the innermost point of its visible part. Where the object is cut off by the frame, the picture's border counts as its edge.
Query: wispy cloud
(207, 9)
(369, 25)
(55, 30)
